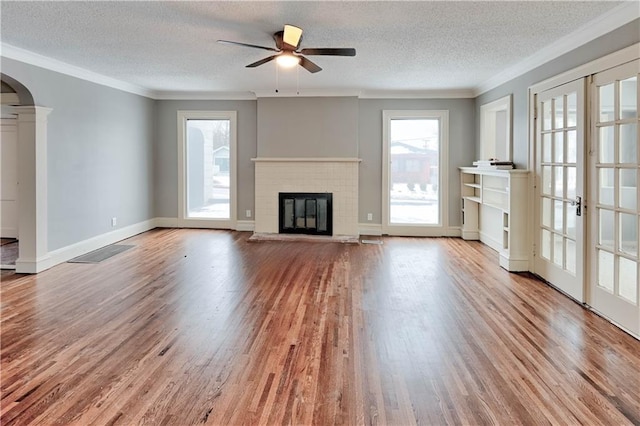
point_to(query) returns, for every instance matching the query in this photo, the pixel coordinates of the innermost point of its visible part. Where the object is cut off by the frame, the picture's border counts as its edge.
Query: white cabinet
(495, 211)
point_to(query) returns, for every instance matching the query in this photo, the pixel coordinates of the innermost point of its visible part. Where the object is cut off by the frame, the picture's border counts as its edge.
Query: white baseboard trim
(6, 232)
(491, 242)
(454, 231)
(370, 229)
(245, 225)
(409, 231)
(514, 265)
(63, 254)
(470, 235)
(32, 266)
(165, 222)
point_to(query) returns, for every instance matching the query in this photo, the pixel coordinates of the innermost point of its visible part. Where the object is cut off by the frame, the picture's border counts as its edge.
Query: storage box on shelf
(495, 211)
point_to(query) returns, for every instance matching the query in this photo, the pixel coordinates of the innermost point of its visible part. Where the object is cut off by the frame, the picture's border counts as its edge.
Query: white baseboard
(514, 265)
(245, 225)
(33, 266)
(454, 231)
(491, 242)
(7, 232)
(408, 231)
(165, 222)
(63, 254)
(370, 229)
(470, 235)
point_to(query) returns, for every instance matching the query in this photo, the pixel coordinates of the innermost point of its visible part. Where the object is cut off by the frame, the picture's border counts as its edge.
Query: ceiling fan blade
(248, 45)
(308, 65)
(329, 51)
(262, 61)
(292, 35)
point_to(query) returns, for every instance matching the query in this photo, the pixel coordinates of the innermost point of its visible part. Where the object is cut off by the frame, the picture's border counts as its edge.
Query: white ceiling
(165, 47)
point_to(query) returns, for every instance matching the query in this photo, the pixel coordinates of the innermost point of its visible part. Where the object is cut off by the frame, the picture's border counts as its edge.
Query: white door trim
(441, 229)
(612, 60)
(183, 220)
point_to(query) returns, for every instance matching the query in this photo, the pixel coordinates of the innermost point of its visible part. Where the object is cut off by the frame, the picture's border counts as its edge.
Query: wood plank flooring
(204, 327)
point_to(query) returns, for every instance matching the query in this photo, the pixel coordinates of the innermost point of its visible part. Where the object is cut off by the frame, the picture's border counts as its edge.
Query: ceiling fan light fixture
(292, 35)
(287, 60)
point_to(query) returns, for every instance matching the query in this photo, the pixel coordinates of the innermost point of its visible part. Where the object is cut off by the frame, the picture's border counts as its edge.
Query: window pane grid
(559, 144)
(618, 216)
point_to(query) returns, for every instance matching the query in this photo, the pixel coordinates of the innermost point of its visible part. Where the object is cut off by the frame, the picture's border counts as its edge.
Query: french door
(559, 215)
(413, 167)
(614, 289)
(207, 169)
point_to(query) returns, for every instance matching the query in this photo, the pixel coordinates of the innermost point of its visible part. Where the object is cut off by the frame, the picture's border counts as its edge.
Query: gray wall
(166, 164)
(602, 46)
(100, 153)
(461, 149)
(361, 120)
(308, 127)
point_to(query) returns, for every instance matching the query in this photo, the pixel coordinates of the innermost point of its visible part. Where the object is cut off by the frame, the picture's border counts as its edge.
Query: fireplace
(305, 213)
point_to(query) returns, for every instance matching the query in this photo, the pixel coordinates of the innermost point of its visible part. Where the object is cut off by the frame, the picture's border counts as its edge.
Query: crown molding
(306, 93)
(18, 54)
(617, 17)
(418, 94)
(203, 96)
(370, 94)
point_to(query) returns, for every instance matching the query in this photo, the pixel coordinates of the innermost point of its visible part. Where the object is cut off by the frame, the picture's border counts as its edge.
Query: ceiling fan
(288, 55)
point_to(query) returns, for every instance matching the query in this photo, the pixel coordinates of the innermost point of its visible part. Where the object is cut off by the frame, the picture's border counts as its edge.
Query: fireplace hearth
(305, 213)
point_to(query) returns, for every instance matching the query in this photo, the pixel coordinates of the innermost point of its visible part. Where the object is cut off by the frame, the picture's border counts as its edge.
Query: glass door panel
(207, 169)
(614, 287)
(414, 161)
(208, 177)
(559, 173)
(414, 154)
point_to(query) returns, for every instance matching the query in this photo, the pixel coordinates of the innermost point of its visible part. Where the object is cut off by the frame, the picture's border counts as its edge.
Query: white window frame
(435, 230)
(183, 220)
(489, 132)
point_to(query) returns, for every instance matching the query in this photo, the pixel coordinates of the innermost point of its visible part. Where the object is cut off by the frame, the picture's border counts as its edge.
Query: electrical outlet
(369, 216)
(247, 213)
(114, 221)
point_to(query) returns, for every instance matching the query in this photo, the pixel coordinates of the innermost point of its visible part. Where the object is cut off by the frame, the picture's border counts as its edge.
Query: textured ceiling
(171, 46)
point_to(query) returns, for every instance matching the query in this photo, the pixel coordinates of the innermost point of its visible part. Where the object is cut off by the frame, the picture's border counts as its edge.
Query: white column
(32, 188)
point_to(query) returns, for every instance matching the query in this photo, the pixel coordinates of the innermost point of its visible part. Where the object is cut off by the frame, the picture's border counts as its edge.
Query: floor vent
(99, 255)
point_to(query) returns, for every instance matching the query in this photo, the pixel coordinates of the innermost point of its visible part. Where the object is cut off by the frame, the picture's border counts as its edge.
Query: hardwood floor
(203, 327)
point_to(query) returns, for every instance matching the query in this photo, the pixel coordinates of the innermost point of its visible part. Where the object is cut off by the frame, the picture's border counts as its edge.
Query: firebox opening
(305, 213)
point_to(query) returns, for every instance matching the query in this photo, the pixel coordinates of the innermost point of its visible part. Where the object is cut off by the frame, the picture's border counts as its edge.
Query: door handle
(577, 203)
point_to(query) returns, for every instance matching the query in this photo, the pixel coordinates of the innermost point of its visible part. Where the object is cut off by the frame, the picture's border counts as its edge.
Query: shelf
(496, 213)
(495, 206)
(498, 190)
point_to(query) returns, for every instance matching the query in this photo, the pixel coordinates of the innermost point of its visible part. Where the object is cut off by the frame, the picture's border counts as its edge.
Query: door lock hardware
(577, 203)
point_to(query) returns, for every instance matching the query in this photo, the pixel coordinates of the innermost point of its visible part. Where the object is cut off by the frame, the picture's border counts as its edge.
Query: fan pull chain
(277, 84)
(297, 80)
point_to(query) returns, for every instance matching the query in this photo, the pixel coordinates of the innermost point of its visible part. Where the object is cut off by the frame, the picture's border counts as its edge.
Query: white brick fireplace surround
(336, 175)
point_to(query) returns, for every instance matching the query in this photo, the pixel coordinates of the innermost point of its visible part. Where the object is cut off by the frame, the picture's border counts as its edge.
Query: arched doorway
(31, 127)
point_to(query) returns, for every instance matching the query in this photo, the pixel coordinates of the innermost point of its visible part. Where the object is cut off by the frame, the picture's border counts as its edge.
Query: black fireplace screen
(305, 213)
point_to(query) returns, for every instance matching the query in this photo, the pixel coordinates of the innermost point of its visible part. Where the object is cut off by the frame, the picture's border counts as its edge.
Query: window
(207, 146)
(414, 159)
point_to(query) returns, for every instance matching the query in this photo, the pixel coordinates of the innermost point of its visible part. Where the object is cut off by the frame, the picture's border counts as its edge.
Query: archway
(31, 123)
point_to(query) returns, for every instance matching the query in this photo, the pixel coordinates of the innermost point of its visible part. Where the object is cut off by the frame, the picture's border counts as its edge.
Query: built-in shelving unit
(495, 211)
